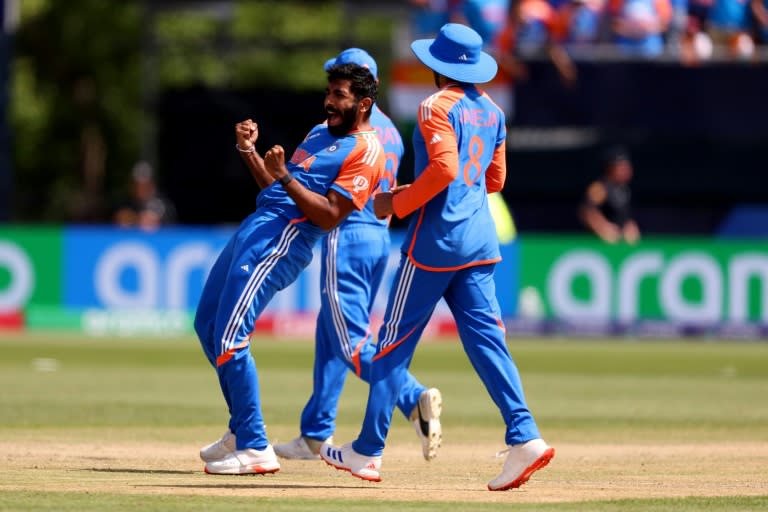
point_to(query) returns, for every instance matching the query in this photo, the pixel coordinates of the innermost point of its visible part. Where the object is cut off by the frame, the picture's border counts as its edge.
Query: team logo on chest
(299, 156)
(360, 183)
(332, 148)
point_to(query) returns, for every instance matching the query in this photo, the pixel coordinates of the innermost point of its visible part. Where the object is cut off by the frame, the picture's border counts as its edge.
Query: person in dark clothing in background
(146, 208)
(606, 208)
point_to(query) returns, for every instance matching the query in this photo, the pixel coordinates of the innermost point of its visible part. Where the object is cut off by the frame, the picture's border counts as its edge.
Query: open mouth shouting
(334, 116)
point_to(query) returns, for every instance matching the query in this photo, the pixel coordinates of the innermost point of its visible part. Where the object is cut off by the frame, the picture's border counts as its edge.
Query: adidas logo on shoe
(347, 459)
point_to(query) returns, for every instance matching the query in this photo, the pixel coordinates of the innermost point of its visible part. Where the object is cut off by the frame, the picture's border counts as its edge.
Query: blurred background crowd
(99, 95)
(688, 30)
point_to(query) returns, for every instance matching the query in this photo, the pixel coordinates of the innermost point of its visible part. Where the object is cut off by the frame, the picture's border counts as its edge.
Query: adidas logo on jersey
(463, 56)
(246, 268)
(435, 139)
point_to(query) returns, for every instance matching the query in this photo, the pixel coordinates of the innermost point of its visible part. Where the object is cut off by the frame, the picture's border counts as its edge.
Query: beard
(348, 118)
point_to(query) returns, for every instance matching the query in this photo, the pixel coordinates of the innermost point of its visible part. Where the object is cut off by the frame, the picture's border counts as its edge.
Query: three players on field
(450, 252)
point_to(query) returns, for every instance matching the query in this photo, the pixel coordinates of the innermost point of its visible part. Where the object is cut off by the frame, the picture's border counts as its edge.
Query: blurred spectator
(760, 16)
(581, 23)
(729, 25)
(487, 17)
(696, 44)
(678, 26)
(531, 31)
(145, 208)
(639, 26)
(698, 12)
(427, 16)
(606, 209)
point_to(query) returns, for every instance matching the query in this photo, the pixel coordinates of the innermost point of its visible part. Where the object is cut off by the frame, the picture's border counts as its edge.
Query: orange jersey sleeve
(443, 152)
(497, 171)
(362, 169)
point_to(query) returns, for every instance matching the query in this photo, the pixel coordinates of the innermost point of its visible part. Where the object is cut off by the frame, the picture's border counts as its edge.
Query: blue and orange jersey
(531, 27)
(351, 165)
(639, 25)
(392, 144)
(487, 17)
(459, 158)
(580, 22)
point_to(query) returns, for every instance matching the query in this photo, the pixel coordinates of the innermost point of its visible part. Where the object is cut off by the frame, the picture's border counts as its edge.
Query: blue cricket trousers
(471, 296)
(266, 254)
(354, 259)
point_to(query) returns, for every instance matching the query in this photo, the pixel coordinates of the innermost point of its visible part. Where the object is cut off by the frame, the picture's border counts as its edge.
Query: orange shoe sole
(361, 477)
(539, 463)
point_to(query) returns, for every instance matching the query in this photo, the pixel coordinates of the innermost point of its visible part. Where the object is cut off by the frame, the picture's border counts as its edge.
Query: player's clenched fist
(274, 161)
(382, 202)
(246, 133)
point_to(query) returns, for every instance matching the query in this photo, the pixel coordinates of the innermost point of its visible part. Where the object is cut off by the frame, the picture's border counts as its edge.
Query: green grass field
(624, 415)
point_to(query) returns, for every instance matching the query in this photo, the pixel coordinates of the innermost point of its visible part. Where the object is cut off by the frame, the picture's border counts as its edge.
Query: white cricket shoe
(302, 448)
(245, 462)
(426, 420)
(219, 449)
(347, 459)
(523, 460)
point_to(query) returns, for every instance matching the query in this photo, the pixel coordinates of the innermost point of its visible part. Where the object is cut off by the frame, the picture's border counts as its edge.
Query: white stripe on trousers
(260, 273)
(398, 306)
(332, 291)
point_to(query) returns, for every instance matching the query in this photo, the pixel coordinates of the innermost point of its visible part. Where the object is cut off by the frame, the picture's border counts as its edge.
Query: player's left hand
(274, 161)
(382, 205)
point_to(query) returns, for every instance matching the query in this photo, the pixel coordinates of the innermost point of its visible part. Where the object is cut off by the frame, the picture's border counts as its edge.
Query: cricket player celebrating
(450, 252)
(333, 171)
(354, 258)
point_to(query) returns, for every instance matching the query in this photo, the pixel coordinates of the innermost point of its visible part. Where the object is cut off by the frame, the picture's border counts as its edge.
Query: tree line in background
(85, 77)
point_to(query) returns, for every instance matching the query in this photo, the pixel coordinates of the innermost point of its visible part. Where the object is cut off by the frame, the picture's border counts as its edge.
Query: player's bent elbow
(329, 221)
(328, 224)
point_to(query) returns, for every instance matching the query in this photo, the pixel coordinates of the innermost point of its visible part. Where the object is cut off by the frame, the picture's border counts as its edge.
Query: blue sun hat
(354, 56)
(457, 53)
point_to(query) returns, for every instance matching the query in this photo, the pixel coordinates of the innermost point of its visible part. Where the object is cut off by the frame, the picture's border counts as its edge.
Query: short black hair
(613, 154)
(362, 82)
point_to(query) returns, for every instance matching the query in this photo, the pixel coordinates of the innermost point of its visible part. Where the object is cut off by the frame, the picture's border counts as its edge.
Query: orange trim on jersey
(501, 325)
(496, 174)
(229, 354)
(391, 347)
(415, 232)
(297, 220)
(442, 152)
(440, 269)
(362, 169)
(356, 353)
(452, 269)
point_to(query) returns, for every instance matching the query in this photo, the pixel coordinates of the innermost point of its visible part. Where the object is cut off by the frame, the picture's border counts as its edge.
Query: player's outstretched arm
(246, 133)
(325, 211)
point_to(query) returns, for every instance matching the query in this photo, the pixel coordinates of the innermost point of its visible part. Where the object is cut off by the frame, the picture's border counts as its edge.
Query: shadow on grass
(140, 471)
(255, 485)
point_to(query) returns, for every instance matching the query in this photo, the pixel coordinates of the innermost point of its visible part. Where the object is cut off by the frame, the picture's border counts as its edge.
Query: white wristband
(252, 149)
